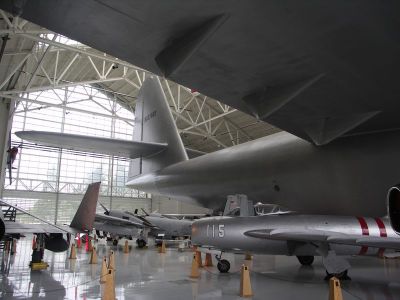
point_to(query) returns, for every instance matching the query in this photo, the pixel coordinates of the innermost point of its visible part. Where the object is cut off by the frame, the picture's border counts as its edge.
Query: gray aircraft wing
(316, 69)
(108, 146)
(48, 227)
(118, 221)
(20, 228)
(326, 236)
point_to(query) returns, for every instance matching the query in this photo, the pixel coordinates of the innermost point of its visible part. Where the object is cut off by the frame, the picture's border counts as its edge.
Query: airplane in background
(52, 235)
(124, 223)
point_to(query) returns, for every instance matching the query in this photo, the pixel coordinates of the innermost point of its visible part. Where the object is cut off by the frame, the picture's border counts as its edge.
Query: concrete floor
(146, 274)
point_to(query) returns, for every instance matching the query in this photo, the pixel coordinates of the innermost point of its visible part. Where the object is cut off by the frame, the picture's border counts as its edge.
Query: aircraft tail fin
(238, 205)
(84, 216)
(154, 124)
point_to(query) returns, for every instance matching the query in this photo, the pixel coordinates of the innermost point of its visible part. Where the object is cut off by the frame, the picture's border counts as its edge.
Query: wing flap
(117, 147)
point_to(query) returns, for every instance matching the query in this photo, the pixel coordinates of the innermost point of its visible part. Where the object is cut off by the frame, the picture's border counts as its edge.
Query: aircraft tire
(223, 266)
(306, 260)
(115, 242)
(141, 243)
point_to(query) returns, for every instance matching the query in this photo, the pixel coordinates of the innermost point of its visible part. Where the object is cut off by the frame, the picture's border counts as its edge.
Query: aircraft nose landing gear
(223, 264)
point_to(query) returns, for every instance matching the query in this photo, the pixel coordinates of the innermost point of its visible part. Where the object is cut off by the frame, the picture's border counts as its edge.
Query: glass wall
(51, 181)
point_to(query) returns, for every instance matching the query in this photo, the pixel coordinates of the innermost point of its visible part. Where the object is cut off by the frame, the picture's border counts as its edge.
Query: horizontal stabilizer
(117, 147)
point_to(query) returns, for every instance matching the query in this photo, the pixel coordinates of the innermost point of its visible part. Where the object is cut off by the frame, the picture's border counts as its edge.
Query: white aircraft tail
(154, 124)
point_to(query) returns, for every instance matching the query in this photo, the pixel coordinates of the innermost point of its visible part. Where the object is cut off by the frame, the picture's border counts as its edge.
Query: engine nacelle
(393, 204)
(55, 242)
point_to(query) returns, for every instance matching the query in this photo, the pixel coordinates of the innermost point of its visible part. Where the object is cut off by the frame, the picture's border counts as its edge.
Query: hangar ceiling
(36, 59)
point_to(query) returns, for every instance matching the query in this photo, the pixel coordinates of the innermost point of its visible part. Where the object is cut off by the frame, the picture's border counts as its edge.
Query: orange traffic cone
(93, 256)
(198, 259)
(162, 248)
(104, 270)
(126, 247)
(335, 291)
(72, 254)
(111, 261)
(245, 285)
(208, 261)
(109, 286)
(195, 268)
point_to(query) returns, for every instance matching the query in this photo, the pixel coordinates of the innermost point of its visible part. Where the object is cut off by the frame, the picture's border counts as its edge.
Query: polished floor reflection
(146, 274)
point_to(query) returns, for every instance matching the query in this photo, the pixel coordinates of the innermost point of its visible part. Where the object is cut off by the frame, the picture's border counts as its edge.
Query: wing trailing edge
(117, 147)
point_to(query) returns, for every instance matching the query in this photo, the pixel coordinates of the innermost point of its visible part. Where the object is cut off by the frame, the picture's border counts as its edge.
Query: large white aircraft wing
(15, 227)
(326, 236)
(78, 142)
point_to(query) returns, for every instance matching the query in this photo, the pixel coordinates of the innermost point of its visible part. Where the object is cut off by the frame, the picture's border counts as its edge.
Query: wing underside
(102, 145)
(317, 70)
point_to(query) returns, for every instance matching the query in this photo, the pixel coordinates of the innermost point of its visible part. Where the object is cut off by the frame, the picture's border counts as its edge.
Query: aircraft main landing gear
(306, 260)
(223, 264)
(141, 243)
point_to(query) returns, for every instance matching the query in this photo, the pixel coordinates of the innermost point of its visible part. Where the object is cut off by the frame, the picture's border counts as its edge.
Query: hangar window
(50, 181)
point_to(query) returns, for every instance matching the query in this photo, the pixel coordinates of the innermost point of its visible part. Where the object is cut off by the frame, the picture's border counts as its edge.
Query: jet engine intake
(55, 242)
(393, 203)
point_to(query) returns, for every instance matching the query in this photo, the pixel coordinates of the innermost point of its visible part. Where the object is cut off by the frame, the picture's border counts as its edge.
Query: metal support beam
(59, 86)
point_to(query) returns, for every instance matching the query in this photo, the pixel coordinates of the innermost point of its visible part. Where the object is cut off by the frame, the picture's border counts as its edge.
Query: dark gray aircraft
(123, 223)
(304, 236)
(52, 233)
(337, 178)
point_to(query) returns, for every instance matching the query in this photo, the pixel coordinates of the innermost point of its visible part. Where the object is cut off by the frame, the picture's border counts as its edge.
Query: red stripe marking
(382, 233)
(365, 231)
(382, 228)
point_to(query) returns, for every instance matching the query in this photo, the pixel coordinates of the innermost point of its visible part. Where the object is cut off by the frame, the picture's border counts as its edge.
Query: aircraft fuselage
(348, 176)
